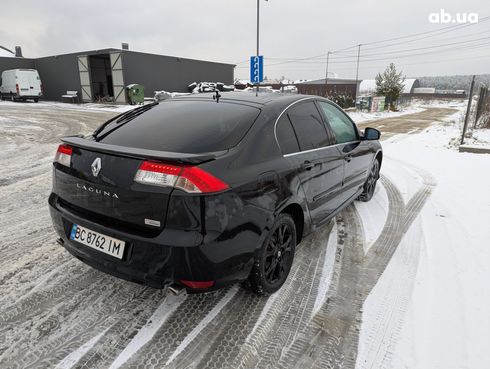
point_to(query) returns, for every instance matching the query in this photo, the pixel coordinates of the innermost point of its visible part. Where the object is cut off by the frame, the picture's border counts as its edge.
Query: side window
(308, 126)
(286, 136)
(342, 127)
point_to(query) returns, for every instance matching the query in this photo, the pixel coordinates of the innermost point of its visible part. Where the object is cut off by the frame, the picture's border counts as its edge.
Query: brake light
(197, 284)
(187, 178)
(17, 88)
(63, 155)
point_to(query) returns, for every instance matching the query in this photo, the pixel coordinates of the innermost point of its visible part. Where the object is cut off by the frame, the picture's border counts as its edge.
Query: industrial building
(104, 73)
(331, 87)
(368, 87)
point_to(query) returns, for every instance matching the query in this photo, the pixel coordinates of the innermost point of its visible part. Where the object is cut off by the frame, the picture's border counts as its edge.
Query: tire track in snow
(69, 361)
(145, 334)
(186, 318)
(70, 324)
(290, 307)
(394, 291)
(334, 332)
(56, 317)
(387, 311)
(328, 333)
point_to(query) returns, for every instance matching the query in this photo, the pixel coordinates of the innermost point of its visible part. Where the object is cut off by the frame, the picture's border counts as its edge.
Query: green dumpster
(135, 94)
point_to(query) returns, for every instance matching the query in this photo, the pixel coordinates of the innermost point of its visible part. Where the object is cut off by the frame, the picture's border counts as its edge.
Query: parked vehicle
(201, 191)
(21, 84)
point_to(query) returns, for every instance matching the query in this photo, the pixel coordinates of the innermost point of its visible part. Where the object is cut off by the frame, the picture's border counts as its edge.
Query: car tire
(370, 184)
(275, 258)
(36, 100)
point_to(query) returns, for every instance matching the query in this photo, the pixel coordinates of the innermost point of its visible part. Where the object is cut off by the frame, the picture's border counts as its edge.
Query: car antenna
(217, 96)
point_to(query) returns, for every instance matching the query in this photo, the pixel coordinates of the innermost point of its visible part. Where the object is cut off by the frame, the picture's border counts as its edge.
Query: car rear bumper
(169, 257)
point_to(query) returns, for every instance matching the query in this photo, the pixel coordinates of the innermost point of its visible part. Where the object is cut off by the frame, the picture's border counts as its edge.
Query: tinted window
(308, 126)
(286, 136)
(342, 127)
(186, 127)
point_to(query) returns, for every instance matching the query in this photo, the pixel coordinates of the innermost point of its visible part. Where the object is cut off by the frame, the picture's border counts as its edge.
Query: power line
(389, 56)
(353, 57)
(409, 53)
(432, 33)
(419, 48)
(474, 47)
(451, 28)
(401, 65)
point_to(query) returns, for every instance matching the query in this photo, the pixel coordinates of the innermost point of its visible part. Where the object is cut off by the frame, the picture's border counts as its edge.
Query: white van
(21, 84)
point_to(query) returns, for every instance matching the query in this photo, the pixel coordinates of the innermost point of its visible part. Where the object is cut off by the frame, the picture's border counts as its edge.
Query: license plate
(98, 241)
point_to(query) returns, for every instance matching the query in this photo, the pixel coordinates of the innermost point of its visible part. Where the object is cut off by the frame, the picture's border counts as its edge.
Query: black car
(204, 190)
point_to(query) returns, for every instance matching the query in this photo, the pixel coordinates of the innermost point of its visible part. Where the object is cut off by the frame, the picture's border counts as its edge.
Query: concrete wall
(159, 72)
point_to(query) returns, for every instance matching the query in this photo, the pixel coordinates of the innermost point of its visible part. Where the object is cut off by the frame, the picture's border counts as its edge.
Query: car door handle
(308, 165)
(348, 158)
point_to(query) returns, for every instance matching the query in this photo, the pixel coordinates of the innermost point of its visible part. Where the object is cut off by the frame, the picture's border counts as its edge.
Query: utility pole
(326, 75)
(258, 22)
(357, 68)
(468, 110)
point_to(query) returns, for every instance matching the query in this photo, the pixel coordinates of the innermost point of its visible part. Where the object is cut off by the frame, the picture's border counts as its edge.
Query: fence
(482, 115)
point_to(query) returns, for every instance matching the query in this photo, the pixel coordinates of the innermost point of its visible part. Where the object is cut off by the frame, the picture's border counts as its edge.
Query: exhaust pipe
(176, 289)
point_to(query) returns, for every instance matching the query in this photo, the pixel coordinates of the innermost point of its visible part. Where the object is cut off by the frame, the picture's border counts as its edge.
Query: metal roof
(111, 50)
(338, 81)
(369, 86)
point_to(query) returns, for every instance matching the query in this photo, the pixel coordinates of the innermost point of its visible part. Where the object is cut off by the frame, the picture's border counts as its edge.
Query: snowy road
(57, 312)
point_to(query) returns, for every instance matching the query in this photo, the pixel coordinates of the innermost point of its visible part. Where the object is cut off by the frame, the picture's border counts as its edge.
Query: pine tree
(390, 84)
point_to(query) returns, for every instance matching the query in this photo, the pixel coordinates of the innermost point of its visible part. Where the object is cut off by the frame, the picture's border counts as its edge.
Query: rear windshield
(186, 126)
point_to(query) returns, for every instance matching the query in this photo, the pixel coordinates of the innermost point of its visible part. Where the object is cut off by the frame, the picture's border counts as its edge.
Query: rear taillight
(17, 88)
(42, 89)
(187, 178)
(63, 155)
(197, 285)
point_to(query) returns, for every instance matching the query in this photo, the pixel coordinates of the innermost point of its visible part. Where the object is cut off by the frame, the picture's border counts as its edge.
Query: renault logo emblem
(96, 166)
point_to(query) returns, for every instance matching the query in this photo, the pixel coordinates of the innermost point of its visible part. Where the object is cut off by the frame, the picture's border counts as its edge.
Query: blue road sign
(256, 69)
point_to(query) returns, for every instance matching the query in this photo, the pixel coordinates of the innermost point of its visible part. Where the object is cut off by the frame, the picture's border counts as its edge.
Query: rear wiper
(122, 119)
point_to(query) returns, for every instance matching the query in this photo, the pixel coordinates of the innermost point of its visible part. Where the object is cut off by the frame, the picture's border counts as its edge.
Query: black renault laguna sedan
(204, 190)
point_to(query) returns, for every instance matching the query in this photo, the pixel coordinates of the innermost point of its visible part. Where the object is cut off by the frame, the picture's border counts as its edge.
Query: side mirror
(371, 134)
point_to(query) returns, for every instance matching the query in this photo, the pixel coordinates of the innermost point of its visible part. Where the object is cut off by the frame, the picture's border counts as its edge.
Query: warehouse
(103, 74)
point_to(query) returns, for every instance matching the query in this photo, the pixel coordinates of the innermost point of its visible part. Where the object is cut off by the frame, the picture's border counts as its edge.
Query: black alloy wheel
(370, 184)
(274, 261)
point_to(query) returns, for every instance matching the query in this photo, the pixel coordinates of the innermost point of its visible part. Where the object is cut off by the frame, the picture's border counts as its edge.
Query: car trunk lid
(100, 182)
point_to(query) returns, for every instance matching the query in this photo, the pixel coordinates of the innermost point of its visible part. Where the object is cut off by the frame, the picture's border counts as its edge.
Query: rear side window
(186, 127)
(308, 126)
(343, 128)
(286, 136)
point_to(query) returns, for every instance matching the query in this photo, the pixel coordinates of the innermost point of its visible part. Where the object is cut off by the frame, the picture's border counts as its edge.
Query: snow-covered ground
(424, 234)
(67, 106)
(415, 106)
(360, 117)
(437, 280)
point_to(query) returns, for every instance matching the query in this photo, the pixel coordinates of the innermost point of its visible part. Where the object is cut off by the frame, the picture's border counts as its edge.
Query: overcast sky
(225, 31)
